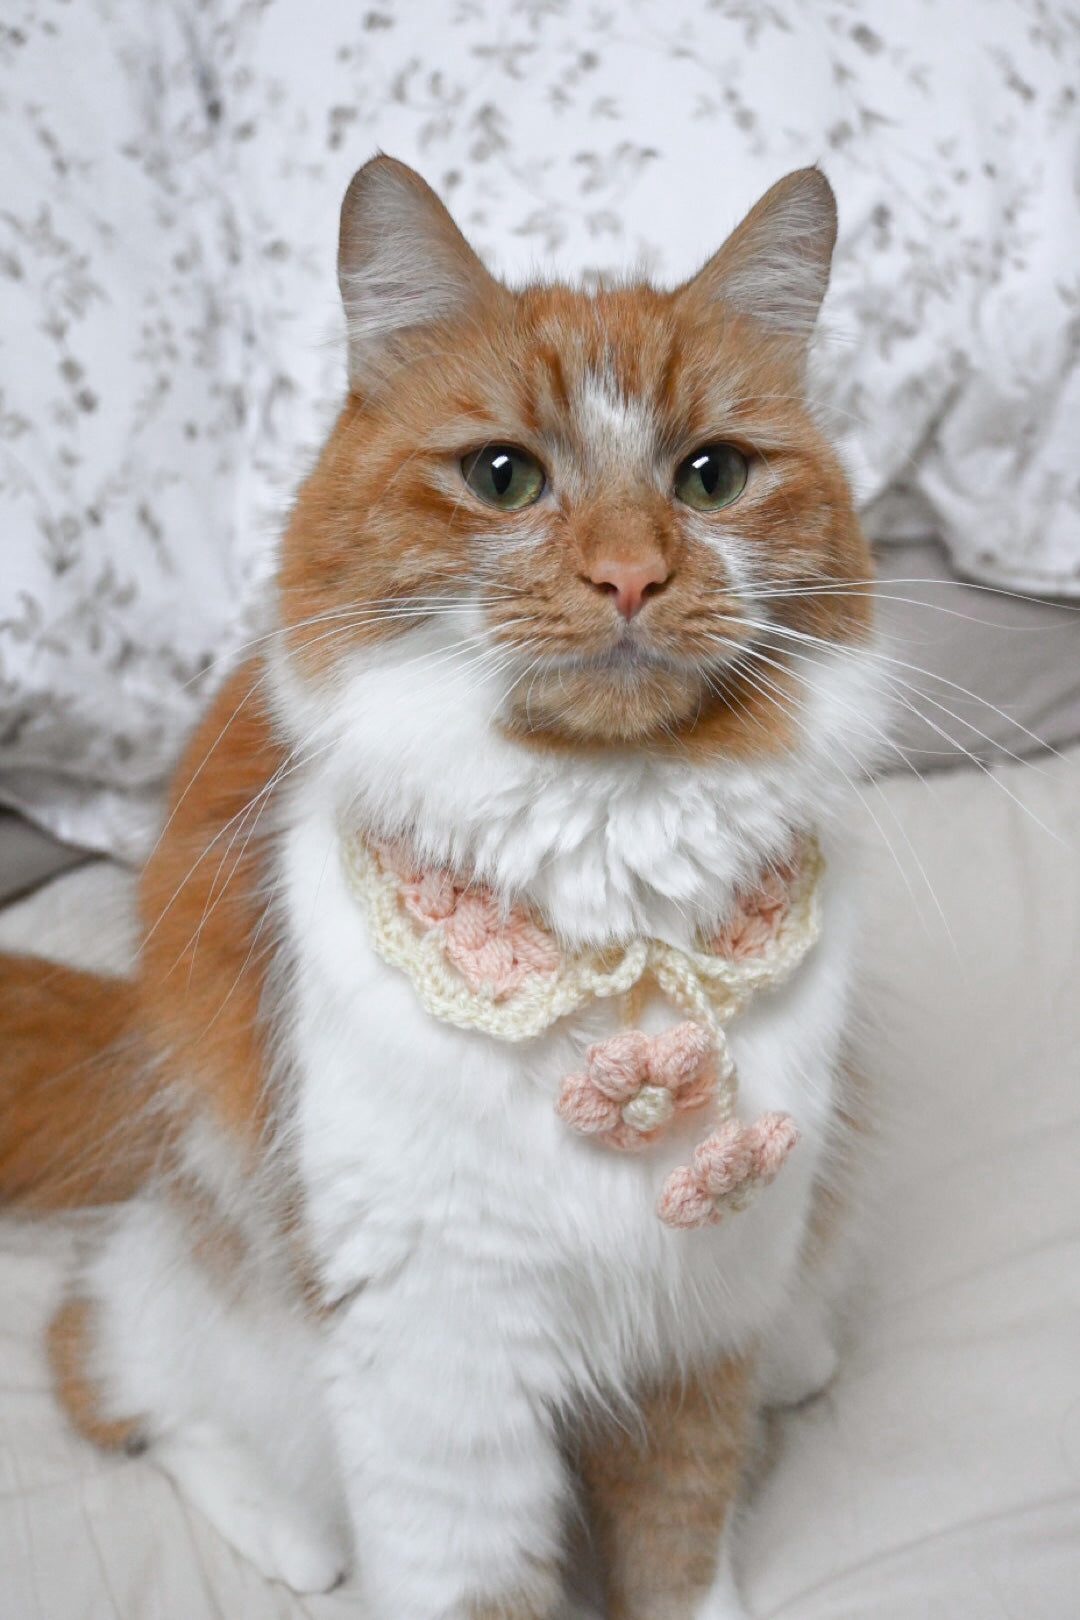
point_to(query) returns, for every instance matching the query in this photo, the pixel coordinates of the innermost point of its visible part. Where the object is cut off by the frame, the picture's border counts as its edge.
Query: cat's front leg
(659, 1494)
(457, 1489)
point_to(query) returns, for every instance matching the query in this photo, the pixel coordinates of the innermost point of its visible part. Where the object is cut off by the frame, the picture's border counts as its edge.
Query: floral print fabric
(168, 314)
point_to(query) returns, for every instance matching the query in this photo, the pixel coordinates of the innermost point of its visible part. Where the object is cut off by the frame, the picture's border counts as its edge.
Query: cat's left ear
(402, 262)
(775, 266)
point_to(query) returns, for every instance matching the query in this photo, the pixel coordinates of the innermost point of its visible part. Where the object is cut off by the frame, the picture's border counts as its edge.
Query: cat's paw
(277, 1533)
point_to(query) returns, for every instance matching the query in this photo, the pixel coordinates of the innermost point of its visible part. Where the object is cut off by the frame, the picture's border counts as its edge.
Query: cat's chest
(436, 1168)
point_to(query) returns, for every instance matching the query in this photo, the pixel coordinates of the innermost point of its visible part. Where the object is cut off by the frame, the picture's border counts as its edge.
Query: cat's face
(610, 495)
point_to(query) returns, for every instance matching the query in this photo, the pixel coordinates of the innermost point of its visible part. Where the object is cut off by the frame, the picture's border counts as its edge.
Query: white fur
(485, 1272)
(606, 845)
(618, 430)
(495, 1268)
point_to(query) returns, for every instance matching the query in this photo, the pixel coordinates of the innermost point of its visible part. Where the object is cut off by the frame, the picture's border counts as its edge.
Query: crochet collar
(484, 966)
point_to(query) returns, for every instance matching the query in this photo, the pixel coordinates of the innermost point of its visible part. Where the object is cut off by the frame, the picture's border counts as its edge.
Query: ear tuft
(402, 262)
(775, 265)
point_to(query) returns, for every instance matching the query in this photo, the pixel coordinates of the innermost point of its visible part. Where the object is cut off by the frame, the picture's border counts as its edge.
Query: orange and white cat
(541, 623)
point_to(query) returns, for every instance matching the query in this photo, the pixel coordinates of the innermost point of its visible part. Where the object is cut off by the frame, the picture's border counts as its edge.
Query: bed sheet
(939, 1476)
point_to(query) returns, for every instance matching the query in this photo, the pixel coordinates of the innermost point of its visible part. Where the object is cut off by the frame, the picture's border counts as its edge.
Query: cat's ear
(775, 266)
(402, 262)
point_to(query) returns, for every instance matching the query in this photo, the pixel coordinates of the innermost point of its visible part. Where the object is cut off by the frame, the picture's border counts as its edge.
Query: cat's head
(616, 504)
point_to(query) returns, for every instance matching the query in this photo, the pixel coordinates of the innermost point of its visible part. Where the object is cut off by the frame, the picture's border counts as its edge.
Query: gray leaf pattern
(169, 331)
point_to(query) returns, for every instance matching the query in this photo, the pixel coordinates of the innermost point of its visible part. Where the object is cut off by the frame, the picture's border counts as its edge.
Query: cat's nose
(629, 583)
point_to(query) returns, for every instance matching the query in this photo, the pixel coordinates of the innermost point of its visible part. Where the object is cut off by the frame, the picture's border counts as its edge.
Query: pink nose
(629, 582)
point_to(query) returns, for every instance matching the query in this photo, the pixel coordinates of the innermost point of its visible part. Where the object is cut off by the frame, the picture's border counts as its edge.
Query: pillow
(978, 673)
(126, 409)
(168, 331)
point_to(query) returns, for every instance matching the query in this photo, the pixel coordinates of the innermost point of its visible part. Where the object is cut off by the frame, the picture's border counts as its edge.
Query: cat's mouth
(626, 658)
(626, 692)
(631, 656)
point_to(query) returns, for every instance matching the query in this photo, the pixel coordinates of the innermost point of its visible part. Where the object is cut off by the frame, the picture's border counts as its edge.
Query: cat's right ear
(775, 266)
(402, 263)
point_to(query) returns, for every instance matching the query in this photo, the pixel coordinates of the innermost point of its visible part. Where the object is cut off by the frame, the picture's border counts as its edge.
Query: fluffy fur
(376, 1306)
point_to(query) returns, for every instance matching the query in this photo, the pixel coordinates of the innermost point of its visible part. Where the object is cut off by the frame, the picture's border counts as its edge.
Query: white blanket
(939, 1477)
(172, 177)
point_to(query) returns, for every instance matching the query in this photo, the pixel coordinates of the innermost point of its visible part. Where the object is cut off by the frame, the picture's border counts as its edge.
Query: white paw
(795, 1366)
(280, 1535)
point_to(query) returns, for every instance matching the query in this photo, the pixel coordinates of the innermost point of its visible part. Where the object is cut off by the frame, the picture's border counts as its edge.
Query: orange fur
(71, 1087)
(509, 1608)
(659, 1493)
(87, 1060)
(71, 1356)
(207, 940)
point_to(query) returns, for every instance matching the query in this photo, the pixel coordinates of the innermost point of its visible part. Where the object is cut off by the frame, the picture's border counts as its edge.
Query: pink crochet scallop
(755, 919)
(727, 1171)
(633, 1083)
(494, 950)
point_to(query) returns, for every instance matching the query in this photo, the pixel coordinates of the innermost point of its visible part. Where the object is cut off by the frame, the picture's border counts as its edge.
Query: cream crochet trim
(711, 989)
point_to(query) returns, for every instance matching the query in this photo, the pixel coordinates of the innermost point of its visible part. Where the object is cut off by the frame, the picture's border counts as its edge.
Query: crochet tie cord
(481, 965)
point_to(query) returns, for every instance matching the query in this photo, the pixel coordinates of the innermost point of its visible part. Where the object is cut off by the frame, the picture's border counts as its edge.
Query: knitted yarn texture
(485, 965)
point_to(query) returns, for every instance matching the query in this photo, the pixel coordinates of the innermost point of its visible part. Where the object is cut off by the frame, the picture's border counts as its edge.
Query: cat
(572, 666)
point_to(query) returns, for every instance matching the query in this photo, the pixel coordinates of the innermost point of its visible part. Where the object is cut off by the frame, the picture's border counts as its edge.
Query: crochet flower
(494, 949)
(755, 919)
(727, 1171)
(633, 1083)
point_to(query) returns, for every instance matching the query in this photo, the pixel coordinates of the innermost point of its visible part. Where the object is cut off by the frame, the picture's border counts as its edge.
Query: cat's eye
(504, 475)
(712, 477)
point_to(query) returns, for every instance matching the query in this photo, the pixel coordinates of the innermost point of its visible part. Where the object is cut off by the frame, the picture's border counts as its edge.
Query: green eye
(504, 475)
(712, 477)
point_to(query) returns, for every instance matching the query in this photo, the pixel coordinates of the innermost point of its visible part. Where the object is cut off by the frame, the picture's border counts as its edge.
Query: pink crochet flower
(493, 950)
(727, 1171)
(633, 1083)
(755, 919)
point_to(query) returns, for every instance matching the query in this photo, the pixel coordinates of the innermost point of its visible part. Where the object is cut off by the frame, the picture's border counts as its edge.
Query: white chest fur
(447, 1199)
(490, 1267)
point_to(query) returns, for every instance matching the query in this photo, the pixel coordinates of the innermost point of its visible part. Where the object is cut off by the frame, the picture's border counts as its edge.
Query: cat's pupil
(708, 470)
(502, 471)
(504, 475)
(712, 477)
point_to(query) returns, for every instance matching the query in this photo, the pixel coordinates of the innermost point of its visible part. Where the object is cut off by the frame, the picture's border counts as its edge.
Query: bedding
(29, 856)
(978, 673)
(168, 320)
(939, 1476)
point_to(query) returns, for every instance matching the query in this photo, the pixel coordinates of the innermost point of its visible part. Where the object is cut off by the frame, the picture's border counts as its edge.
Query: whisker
(783, 700)
(786, 632)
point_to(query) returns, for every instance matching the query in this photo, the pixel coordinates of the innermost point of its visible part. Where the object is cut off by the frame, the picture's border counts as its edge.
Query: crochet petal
(472, 923)
(585, 1108)
(683, 1202)
(701, 1089)
(725, 1159)
(774, 1137)
(676, 1056)
(625, 1138)
(534, 950)
(433, 897)
(619, 1065)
